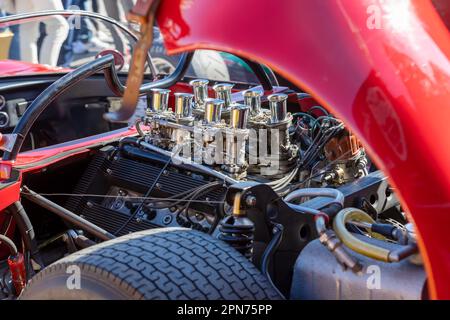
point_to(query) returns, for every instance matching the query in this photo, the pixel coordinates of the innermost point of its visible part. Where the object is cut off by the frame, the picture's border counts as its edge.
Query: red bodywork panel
(390, 84)
(41, 158)
(17, 68)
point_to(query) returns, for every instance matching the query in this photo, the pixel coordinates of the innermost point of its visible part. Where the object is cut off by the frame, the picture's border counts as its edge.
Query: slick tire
(165, 264)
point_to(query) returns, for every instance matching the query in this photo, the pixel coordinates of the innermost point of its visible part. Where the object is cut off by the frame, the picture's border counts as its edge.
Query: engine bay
(276, 176)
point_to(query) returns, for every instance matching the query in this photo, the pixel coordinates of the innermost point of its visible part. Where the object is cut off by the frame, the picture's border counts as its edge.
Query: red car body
(17, 68)
(381, 66)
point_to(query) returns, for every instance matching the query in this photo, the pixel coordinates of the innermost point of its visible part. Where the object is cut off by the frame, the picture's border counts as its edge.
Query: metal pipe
(303, 209)
(124, 113)
(67, 215)
(270, 250)
(404, 252)
(183, 105)
(213, 110)
(160, 100)
(252, 99)
(316, 192)
(105, 64)
(239, 116)
(278, 107)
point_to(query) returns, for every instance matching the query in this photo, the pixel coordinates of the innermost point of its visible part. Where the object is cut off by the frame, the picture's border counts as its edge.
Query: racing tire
(161, 264)
(209, 64)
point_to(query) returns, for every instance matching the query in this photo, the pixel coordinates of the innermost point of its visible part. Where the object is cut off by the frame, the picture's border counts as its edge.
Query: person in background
(56, 29)
(79, 37)
(89, 37)
(7, 7)
(117, 10)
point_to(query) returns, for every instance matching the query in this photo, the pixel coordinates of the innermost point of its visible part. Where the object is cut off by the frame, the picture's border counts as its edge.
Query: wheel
(168, 264)
(164, 66)
(210, 65)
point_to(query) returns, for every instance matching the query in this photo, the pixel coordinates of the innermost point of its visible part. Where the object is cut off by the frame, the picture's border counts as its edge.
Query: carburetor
(222, 92)
(270, 149)
(155, 118)
(198, 121)
(237, 138)
(224, 144)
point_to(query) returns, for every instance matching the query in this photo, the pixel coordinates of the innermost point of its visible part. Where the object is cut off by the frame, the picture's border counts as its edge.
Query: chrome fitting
(183, 105)
(160, 100)
(223, 92)
(278, 107)
(213, 111)
(239, 116)
(252, 99)
(200, 90)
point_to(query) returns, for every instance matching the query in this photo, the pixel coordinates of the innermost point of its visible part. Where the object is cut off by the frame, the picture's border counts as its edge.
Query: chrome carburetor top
(236, 142)
(226, 129)
(271, 126)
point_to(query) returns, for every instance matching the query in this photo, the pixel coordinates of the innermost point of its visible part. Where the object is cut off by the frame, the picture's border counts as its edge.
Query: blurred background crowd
(72, 40)
(56, 40)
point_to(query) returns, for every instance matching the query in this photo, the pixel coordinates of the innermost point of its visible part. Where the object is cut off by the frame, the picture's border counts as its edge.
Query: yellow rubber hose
(362, 247)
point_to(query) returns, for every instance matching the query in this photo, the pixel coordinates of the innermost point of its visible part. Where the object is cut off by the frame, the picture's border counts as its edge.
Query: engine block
(124, 175)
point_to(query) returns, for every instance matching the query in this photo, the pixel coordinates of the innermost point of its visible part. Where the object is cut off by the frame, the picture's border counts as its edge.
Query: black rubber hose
(270, 251)
(197, 194)
(10, 244)
(332, 210)
(50, 94)
(26, 230)
(105, 64)
(118, 88)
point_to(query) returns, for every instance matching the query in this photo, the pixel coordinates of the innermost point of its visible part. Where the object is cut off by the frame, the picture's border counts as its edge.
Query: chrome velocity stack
(223, 92)
(236, 140)
(252, 99)
(278, 108)
(183, 108)
(160, 101)
(200, 90)
(213, 111)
